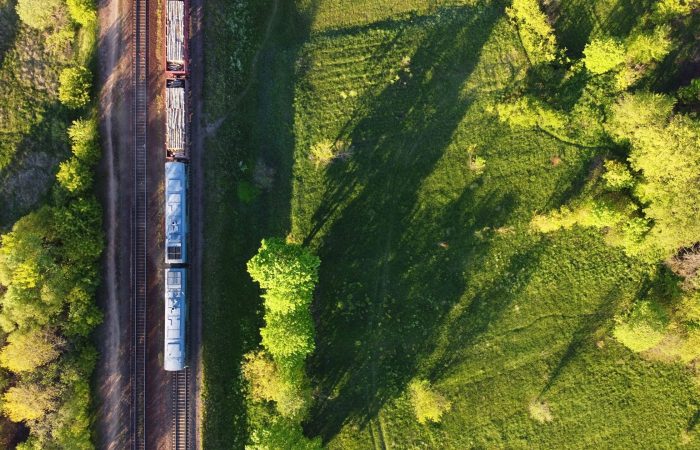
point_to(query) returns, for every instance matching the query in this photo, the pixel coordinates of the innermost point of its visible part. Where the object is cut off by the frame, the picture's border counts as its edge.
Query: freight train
(177, 144)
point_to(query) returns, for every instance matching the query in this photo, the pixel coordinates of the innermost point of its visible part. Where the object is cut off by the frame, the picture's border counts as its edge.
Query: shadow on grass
(577, 19)
(393, 267)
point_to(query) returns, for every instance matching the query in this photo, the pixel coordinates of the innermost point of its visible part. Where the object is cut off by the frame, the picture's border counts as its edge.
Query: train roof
(175, 212)
(175, 314)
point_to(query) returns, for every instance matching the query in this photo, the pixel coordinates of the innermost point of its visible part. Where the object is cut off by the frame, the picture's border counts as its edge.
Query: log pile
(175, 39)
(176, 119)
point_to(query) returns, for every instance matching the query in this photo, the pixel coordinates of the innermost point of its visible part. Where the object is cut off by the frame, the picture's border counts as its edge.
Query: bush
(643, 328)
(82, 11)
(428, 405)
(617, 176)
(603, 55)
(39, 14)
(536, 34)
(691, 93)
(74, 85)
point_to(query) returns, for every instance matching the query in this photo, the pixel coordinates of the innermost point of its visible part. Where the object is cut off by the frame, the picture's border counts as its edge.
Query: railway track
(139, 226)
(181, 410)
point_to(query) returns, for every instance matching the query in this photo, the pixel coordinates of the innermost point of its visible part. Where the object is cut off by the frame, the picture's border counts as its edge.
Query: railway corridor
(155, 394)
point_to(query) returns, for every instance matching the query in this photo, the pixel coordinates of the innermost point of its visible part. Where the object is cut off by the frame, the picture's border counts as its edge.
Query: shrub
(82, 11)
(74, 85)
(617, 176)
(74, 176)
(643, 328)
(84, 140)
(645, 48)
(39, 14)
(536, 34)
(540, 412)
(603, 55)
(287, 388)
(428, 405)
(690, 93)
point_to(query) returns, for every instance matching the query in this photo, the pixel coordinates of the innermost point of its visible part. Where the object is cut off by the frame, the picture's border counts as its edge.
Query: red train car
(177, 24)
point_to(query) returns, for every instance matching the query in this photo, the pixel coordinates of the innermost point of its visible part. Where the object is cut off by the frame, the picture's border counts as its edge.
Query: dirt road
(113, 336)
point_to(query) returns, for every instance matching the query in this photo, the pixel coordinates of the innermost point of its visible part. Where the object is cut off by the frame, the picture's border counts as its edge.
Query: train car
(176, 37)
(175, 319)
(176, 120)
(176, 220)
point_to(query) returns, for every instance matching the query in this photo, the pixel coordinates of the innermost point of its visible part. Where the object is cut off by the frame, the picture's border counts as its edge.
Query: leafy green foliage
(536, 34)
(28, 401)
(664, 151)
(428, 404)
(643, 328)
(28, 350)
(288, 272)
(40, 14)
(617, 176)
(83, 11)
(74, 86)
(603, 55)
(280, 433)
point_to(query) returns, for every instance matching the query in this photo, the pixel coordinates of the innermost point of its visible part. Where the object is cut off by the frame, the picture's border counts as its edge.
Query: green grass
(429, 269)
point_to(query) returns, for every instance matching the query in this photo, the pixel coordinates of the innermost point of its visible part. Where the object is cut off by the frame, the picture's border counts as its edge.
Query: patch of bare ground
(112, 388)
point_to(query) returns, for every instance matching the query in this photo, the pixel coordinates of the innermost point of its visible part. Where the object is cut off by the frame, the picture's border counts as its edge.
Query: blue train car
(176, 219)
(175, 319)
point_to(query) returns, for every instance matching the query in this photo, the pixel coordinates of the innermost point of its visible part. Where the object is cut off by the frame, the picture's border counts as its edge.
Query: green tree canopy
(40, 14)
(27, 350)
(288, 272)
(28, 401)
(603, 55)
(643, 328)
(82, 11)
(536, 34)
(74, 85)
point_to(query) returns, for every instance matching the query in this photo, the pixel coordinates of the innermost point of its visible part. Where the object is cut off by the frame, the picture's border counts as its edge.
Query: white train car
(176, 220)
(175, 319)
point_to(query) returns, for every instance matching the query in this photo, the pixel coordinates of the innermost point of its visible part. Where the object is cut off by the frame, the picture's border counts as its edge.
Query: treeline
(49, 264)
(279, 388)
(644, 193)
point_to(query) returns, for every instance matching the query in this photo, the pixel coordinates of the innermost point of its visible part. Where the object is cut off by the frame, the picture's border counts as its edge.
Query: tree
(603, 55)
(40, 14)
(536, 34)
(74, 85)
(645, 48)
(643, 328)
(82, 11)
(288, 336)
(281, 433)
(27, 350)
(428, 405)
(74, 176)
(288, 272)
(84, 138)
(617, 176)
(28, 401)
(287, 388)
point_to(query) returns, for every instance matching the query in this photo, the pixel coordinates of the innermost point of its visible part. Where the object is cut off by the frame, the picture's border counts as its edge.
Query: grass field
(429, 268)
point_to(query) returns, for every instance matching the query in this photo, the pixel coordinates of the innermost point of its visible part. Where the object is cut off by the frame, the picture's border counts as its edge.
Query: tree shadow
(9, 25)
(392, 267)
(577, 19)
